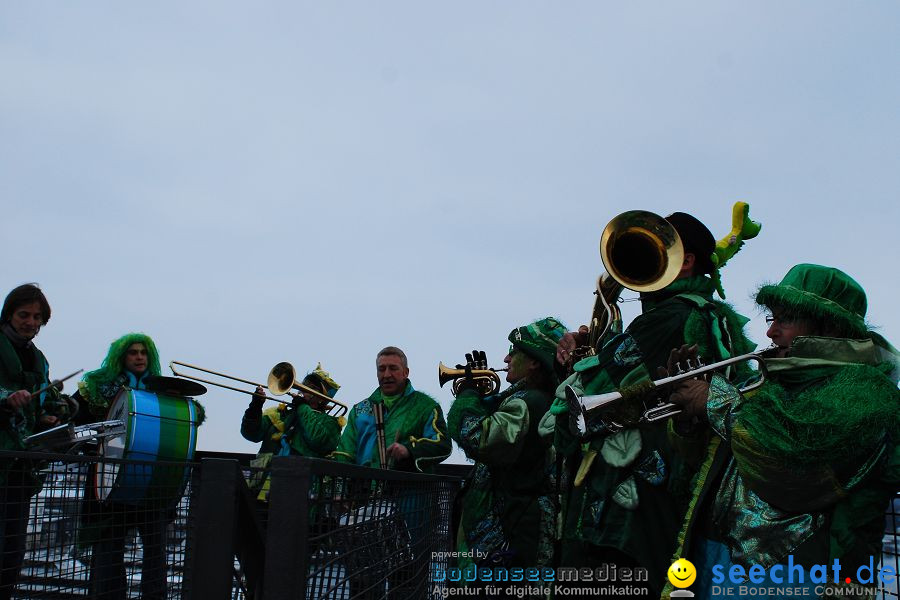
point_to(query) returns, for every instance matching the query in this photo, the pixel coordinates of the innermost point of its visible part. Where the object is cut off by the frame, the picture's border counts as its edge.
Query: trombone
(282, 380)
(580, 406)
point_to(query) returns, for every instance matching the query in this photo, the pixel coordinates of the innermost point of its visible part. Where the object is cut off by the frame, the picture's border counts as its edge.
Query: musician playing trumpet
(508, 509)
(806, 464)
(629, 488)
(302, 428)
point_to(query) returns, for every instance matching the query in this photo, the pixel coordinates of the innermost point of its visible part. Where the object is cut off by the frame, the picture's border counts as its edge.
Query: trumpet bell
(641, 250)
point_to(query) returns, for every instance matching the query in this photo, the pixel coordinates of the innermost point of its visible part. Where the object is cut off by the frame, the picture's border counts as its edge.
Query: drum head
(173, 386)
(112, 447)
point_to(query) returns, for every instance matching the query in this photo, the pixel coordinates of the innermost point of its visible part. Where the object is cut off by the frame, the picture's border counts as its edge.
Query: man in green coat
(508, 507)
(23, 370)
(415, 439)
(628, 489)
(801, 469)
(415, 432)
(299, 429)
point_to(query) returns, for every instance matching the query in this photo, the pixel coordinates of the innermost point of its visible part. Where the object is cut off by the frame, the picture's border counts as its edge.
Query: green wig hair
(114, 363)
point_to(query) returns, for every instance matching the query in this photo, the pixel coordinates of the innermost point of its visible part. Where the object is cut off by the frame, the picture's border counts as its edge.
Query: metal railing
(85, 526)
(195, 530)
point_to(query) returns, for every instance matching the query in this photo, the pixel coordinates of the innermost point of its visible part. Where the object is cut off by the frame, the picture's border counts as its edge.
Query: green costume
(17, 425)
(414, 419)
(508, 506)
(286, 430)
(806, 464)
(632, 488)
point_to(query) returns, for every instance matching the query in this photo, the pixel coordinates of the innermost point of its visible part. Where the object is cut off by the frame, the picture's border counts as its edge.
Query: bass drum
(158, 427)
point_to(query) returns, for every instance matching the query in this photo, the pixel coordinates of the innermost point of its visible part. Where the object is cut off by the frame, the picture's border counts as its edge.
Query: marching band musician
(104, 526)
(628, 489)
(808, 462)
(508, 509)
(23, 370)
(301, 428)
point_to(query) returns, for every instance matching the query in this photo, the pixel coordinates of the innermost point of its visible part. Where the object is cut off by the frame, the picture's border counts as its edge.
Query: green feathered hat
(821, 293)
(538, 340)
(320, 375)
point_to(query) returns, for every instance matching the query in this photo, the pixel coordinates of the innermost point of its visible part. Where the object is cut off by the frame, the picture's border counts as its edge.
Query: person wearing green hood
(508, 507)
(808, 462)
(298, 429)
(628, 489)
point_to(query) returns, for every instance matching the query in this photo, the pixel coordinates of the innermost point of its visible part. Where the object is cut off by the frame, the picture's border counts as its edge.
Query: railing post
(209, 560)
(287, 547)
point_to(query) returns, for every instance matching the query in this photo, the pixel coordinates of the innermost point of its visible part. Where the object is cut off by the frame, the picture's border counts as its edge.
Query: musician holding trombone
(301, 428)
(508, 508)
(808, 462)
(23, 372)
(628, 487)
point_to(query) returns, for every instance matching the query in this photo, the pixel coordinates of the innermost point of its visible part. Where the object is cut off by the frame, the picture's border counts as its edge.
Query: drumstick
(56, 383)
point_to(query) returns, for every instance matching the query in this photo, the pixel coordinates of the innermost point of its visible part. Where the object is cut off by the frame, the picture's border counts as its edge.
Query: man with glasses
(809, 460)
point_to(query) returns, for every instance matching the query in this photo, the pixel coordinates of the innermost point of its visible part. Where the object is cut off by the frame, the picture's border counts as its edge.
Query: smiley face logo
(682, 573)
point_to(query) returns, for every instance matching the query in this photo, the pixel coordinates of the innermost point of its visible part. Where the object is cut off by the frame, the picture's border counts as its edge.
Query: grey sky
(257, 182)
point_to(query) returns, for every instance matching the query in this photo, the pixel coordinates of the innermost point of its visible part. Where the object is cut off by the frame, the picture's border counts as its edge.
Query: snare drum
(158, 427)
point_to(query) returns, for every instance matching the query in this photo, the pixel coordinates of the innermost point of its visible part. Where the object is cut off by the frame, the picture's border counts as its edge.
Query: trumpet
(486, 380)
(282, 380)
(580, 406)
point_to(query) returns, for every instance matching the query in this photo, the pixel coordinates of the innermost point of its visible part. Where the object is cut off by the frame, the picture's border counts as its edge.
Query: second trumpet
(487, 380)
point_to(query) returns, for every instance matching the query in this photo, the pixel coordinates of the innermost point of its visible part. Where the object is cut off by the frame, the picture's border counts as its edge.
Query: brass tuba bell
(642, 252)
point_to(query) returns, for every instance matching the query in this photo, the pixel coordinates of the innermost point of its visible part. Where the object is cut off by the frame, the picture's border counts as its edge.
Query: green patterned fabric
(508, 506)
(17, 425)
(415, 420)
(636, 506)
(809, 461)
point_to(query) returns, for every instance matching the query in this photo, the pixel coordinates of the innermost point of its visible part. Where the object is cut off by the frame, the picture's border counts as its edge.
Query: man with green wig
(627, 488)
(508, 507)
(301, 428)
(130, 361)
(802, 468)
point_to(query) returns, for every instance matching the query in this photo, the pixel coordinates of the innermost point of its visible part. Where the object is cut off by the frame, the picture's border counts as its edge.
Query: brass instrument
(487, 380)
(580, 406)
(642, 252)
(281, 380)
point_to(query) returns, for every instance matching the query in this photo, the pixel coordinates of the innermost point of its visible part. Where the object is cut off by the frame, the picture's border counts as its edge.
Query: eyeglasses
(782, 320)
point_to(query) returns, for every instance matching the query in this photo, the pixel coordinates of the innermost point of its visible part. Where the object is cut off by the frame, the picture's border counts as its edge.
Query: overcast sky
(255, 182)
